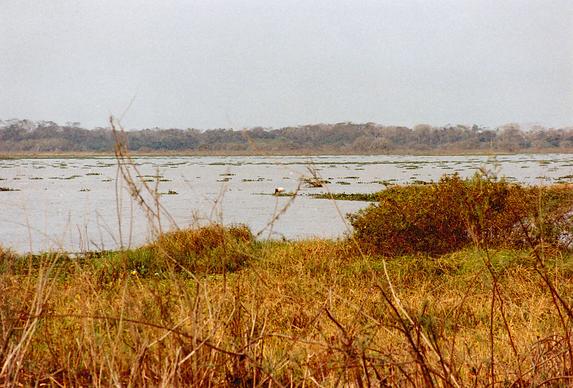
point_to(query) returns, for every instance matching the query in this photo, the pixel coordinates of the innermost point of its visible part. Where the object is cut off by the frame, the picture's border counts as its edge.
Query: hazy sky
(244, 63)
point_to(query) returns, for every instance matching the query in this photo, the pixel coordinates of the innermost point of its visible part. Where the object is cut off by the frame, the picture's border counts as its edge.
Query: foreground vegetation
(214, 306)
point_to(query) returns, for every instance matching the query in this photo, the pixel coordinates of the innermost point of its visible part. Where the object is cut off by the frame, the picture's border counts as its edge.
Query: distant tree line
(47, 136)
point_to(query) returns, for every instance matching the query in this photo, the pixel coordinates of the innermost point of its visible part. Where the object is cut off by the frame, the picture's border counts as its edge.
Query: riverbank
(301, 152)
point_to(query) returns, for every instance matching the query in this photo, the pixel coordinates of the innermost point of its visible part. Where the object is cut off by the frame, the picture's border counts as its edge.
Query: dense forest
(47, 136)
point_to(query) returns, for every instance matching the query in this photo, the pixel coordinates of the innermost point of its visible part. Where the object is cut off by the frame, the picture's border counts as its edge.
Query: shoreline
(85, 155)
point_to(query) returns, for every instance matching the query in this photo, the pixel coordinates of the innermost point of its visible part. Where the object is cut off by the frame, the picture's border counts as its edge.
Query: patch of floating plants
(366, 197)
(343, 183)
(8, 189)
(84, 190)
(284, 194)
(386, 182)
(227, 174)
(226, 179)
(93, 173)
(170, 192)
(314, 182)
(260, 179)
(151, 176)
(35, 178)
(107, 180)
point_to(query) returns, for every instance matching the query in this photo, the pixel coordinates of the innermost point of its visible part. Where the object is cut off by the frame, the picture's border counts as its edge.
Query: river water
(80, 204)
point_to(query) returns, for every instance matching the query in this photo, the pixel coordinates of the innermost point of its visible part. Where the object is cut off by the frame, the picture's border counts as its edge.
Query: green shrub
(211, 249)
(453, 213)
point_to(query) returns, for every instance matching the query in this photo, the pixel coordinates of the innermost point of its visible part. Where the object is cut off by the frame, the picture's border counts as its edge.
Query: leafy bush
(454, 212)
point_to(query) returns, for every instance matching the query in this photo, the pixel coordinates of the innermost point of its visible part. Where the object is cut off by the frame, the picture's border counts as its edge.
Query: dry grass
(297, 313)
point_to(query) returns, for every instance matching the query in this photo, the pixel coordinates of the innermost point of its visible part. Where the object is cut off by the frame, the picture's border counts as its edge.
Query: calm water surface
(79, 204)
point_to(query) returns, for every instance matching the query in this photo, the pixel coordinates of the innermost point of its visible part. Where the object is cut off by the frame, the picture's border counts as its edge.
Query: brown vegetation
(454, 213)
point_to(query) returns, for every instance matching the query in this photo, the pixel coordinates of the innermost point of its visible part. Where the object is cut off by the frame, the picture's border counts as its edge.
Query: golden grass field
(306, 313)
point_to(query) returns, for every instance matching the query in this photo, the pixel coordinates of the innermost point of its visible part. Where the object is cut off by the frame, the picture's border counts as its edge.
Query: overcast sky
(245, 63)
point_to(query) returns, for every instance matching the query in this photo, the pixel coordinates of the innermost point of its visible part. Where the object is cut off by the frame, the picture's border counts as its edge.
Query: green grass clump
(210, 249)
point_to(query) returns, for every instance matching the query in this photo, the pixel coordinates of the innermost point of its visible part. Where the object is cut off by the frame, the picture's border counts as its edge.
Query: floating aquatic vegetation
(367, 197)
(259, 179)
(342, 183)
(93, 173)
(85, 189)
(72, 177)
(8, 189)
(383, 182)
(156, 176)
(314, 182)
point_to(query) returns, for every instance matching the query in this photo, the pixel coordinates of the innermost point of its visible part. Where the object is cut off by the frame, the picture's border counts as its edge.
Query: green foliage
(211, 249)
(454, 212)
